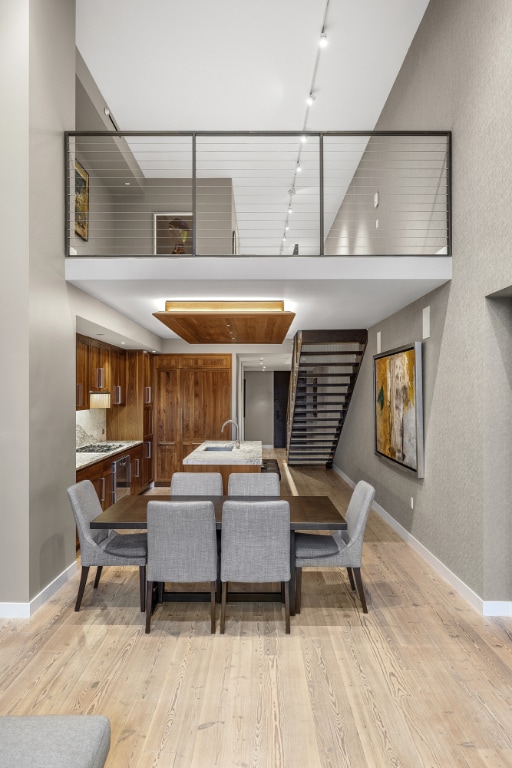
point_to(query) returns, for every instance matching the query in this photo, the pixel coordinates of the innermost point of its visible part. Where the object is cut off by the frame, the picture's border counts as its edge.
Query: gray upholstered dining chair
(255, 547)
(182, 547)
(343, 549)
(100, 546)
(196, 484)
(253, 484)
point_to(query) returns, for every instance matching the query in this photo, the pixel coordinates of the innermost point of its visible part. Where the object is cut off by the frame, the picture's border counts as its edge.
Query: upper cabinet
(82, 373)
(117, 376)
(99, 366)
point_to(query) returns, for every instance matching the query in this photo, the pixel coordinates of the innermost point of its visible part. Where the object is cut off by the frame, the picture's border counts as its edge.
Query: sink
(219, 448)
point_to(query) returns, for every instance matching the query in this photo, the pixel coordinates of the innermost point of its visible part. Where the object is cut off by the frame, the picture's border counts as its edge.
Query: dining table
(307, 513)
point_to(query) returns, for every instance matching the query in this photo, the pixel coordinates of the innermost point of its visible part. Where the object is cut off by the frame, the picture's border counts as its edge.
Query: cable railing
(170, 194)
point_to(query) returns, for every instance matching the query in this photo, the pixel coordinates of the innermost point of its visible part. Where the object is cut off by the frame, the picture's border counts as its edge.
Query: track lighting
(290, 209)
(323, 40)
(310, 99)
(299, 166)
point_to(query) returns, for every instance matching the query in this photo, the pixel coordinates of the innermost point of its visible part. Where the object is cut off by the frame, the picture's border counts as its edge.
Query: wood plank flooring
(421, 680)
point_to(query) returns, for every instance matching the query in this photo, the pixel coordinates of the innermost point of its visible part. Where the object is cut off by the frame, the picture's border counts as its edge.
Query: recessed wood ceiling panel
(227, 325)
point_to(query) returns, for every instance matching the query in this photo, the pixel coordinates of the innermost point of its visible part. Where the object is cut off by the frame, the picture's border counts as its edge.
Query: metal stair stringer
(325, 366)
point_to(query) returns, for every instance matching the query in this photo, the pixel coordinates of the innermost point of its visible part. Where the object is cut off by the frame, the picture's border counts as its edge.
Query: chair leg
(298, 589)
(360, 590)
(213, 599)
(142, 582)
(83, 580)
(287, 606)
(98, 576)
(149, 605)
(351, 579)
(223, 606)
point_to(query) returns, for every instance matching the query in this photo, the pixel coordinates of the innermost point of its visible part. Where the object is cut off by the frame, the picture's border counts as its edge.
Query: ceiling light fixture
(323, 40)
(310, 99)
(290, 209)
(299, 166)
(303, 139)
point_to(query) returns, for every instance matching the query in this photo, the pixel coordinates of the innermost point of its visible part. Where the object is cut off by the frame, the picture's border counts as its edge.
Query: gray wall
(457, 77)
(259, 406)
(37, 92)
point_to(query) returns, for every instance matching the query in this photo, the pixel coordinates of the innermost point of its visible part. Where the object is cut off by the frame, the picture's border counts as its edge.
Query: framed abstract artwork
(398, 403)
(81, 201)
(172, 234)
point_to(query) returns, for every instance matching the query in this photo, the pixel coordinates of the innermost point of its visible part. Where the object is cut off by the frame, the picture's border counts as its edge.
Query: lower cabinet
(101, 476)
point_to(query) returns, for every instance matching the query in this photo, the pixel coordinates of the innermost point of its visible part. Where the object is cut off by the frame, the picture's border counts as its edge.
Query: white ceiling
(232, 65)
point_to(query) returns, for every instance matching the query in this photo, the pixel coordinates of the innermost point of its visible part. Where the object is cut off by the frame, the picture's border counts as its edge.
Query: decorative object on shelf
(81, 201)
(398, 397)
(172, 234)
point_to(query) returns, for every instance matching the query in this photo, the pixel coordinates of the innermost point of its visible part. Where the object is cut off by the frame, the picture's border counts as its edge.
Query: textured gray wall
(456, 77)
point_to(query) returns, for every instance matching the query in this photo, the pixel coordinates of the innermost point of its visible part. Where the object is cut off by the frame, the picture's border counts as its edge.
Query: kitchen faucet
(230, 421)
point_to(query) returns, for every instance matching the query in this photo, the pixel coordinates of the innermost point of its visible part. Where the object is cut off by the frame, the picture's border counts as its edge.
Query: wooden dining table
(307, 513)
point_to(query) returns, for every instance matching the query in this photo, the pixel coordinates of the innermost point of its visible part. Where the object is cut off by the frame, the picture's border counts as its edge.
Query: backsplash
(91, 426)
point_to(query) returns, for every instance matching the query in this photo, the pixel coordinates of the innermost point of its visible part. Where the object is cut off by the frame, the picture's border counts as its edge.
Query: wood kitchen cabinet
(99, 366)
(134, 421)
(117, 376)
(192, 400)
(82, 373)
(101, 476)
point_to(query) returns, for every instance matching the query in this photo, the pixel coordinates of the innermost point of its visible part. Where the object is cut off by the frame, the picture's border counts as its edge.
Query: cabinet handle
(103, 485)
(147, 449)
(100, 378)
(181, 421)
(147, 395)
(137, 467)
(117, 394)
(79, 400)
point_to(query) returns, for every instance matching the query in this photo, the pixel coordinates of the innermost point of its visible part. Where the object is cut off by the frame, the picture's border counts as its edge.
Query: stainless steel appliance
(122, 471)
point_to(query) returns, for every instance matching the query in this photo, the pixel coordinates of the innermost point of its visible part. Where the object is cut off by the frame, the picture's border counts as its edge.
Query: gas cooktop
(97, 448)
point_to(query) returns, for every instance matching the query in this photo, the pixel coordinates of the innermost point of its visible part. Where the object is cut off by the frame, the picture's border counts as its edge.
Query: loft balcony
(257, 194)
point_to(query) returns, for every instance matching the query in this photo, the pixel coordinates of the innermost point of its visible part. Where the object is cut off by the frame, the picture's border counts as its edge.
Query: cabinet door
(118, 376)
(99, 367)
(136, 464)
(82, 374)
(167, 426)
(205, 404)
(102, 477)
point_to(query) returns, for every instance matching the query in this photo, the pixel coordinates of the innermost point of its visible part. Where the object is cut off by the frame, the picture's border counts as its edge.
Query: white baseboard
(484, 607)
(26, 610)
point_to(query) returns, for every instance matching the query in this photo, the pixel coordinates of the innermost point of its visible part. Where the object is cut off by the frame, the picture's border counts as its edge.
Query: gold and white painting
(398, 407)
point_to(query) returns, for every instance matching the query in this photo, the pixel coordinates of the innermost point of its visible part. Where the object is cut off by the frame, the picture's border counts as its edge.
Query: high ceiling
(232, 65)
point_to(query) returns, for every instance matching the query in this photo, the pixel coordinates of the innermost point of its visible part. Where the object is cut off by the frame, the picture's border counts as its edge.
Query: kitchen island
(224, 457)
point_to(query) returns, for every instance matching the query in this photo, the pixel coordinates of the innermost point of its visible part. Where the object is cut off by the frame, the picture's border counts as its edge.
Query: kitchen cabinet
(101, 476)
(117, 376)
(134, 420)
(192, 400)
(82, 373)
(136, 464)
(99, 366)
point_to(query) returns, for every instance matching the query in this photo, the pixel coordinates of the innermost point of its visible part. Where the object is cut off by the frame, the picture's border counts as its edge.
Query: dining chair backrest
(86, 506)
(196, 484)
(182, 541)
(253, 484)
(357, 517)
(255, 541)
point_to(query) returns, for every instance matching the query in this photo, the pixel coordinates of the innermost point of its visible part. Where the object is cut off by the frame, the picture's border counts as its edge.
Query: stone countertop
(86, 459)
(250, 452)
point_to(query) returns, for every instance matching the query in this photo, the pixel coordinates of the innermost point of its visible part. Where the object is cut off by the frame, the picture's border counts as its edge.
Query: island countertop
(250, 452)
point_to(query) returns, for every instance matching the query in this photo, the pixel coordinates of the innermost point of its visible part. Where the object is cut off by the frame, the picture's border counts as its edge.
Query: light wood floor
(422, 680)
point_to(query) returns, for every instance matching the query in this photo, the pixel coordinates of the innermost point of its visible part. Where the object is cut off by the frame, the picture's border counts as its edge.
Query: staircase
(325, 365)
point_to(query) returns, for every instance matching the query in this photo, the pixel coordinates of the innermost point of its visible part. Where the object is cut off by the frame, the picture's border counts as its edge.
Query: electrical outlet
(412, 502)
